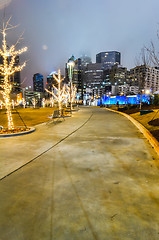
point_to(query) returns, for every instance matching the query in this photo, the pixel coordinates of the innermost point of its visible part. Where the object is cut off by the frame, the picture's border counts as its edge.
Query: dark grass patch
(155, 133)
(154, 122)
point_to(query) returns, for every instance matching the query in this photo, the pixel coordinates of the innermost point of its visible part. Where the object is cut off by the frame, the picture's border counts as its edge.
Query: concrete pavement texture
(93, 176)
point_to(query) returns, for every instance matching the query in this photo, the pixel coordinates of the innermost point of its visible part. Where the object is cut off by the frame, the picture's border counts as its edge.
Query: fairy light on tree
(74, 91)
(13, 104)
(47, 103)
(43, 102)
(1, 104)
(34, 102)
(8, 68)
(60, 92)
(67, 97)
(70, 66)
(52, 101)
(23, 102)
(72, 94)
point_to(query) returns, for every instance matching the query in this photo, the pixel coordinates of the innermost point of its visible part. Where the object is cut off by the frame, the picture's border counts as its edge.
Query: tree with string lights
(43, 102)
(1, 104)
(51, 101)
(72, 94)
(8, 68)
(23, 102)
(34, 102)
(60, 91)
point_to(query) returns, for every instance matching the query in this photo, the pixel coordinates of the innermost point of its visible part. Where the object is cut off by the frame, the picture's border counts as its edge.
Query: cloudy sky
(56, 29)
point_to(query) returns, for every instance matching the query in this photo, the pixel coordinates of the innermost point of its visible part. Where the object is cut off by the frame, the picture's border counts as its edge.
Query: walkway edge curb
(154, 143)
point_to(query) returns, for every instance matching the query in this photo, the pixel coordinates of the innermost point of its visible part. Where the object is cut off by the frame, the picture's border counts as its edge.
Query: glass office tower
(108, 59)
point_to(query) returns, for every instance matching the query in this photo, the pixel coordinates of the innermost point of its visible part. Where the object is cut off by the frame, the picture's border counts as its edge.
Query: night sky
(56, 29)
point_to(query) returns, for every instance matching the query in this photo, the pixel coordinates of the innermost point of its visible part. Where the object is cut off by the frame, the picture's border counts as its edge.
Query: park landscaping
(150, 121)
(27, 116)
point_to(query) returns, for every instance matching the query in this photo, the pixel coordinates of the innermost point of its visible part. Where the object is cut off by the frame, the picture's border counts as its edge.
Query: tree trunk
(7, 101)
(59, 108)
(9, 116)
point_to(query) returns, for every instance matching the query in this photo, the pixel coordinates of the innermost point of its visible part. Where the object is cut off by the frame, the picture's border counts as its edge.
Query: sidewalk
(17, 151)
(101, 182)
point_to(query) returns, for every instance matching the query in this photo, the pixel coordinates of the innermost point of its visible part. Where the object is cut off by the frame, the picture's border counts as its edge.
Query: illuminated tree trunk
(8, 68)
(60, 95)
(59, 109)
(9, 116)
(6, 96)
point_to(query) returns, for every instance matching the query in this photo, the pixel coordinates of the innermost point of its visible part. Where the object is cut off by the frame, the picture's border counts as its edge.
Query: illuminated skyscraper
(108, 59)
(85, 60)
(93, 82)
(38, 85)
(77, 78)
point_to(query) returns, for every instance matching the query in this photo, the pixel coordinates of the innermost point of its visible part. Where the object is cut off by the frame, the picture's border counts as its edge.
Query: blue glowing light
(134, 99)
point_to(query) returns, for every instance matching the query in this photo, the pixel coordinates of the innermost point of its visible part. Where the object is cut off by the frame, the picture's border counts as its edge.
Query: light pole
(70, 66)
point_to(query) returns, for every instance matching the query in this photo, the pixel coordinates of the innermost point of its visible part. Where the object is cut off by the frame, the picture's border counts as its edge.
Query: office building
(115, 76)
(51, 81)
(85, 60)
(147, 78)
(38, 85)
(93, 82)
(29, 95)
(108, 59)
(77, 76)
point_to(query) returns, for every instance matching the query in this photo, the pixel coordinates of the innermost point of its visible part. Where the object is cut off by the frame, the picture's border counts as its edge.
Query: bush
(156, 100)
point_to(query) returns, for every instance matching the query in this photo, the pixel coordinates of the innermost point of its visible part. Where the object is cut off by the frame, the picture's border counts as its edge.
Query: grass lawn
(31, 116)
(145, 119)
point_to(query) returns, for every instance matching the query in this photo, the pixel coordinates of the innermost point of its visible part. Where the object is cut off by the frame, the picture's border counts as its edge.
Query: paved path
(93, 176)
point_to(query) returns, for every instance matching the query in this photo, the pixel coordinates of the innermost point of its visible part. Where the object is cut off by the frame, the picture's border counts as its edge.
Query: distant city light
(147, 91)
(134, 99)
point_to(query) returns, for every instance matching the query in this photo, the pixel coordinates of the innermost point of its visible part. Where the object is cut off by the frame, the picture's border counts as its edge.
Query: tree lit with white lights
(60, 91)
(8, 68)
(71, 92)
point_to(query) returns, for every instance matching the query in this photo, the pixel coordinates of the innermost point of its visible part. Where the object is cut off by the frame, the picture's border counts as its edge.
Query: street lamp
(147, 92)
(70, 66)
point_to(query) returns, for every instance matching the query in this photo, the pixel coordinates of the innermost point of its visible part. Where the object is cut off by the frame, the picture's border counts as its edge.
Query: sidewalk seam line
(33, 159)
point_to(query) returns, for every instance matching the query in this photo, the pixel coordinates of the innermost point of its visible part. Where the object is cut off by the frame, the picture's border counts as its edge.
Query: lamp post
(70, 66)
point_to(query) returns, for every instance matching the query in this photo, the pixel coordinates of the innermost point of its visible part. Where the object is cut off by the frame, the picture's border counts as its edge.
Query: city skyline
(55, 30)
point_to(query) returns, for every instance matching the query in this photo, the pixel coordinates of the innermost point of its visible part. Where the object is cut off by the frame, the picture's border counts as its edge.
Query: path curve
(99, 183)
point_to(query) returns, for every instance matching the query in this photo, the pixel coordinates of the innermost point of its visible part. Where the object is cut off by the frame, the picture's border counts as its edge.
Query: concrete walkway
(93, 176)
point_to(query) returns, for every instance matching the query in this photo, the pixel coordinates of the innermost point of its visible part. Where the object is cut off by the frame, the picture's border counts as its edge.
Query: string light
(73, 93)
(43, 102)
(13, 104)
(60, 92)
(34, 102)
(51, 101)
(7, 69)
(1, 103)
(23, 102)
